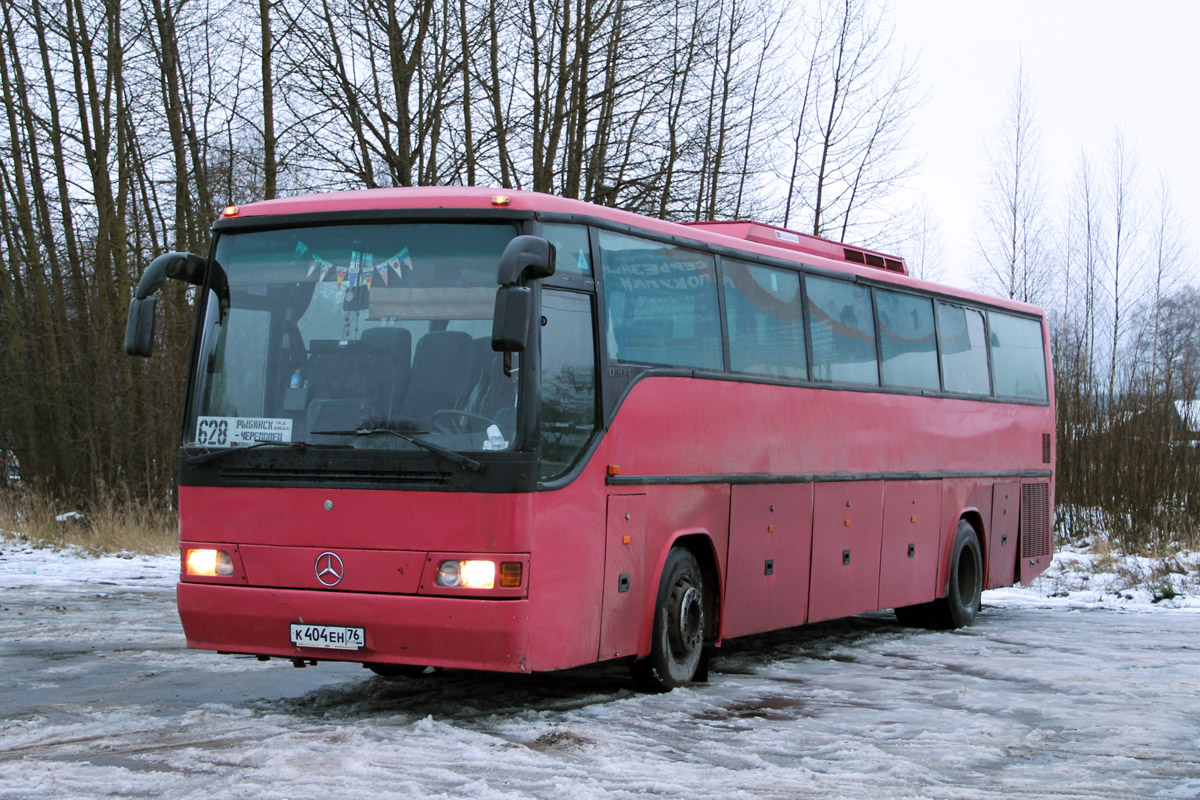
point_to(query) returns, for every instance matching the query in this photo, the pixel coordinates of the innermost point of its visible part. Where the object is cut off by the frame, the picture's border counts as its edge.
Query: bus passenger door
(624, 584)
(1002, 536)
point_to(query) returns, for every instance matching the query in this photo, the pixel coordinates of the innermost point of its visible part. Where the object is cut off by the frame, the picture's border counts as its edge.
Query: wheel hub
(688, 626)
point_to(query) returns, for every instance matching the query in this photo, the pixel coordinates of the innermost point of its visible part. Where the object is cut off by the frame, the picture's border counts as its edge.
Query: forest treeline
(128, 124)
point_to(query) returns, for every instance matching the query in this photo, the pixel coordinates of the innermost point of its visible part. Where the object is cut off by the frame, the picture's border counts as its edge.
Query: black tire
(680, 622)
(918, 616)
(962, 602)
(399, 670)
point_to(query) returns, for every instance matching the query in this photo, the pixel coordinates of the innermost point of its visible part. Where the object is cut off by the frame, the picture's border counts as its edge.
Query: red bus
(454, 428)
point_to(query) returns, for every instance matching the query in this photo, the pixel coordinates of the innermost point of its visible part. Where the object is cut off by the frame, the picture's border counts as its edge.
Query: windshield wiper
(213, 455)
(466, 462)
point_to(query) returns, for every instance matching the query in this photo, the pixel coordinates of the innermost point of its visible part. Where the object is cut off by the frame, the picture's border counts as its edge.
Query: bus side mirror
(526, 258)
(139, 328)
(510, 325)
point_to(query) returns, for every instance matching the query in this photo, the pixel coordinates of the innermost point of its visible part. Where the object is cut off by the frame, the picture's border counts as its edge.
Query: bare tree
(1166, 253)
(1012, 240)
(1123, 265)
(856, 107)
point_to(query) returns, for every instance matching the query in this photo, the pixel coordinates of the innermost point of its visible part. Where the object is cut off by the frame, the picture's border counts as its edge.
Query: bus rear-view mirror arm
(526, 258)
(139, 329)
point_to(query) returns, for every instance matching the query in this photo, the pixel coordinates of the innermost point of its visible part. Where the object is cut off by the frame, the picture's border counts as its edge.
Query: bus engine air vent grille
(1045, 448)
(309, 475)
(1036, 534)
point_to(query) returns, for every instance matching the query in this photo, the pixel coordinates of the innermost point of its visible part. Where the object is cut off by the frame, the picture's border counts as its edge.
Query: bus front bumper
(463, 633)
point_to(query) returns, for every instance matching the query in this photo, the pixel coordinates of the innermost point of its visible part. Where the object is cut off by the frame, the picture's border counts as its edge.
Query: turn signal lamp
(510, 574)
(210, 563)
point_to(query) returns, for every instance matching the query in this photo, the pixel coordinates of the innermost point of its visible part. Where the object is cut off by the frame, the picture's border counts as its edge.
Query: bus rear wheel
(963, 600)
(680, 620)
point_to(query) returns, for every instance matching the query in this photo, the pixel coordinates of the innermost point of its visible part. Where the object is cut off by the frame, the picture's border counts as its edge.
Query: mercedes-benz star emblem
(329, 569)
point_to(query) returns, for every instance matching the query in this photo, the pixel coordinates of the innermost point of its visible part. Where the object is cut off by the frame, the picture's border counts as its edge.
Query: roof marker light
(501, 200)
(230, 211)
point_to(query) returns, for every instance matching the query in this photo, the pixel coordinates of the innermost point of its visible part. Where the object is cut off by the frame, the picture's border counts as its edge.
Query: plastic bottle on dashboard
(296, 379)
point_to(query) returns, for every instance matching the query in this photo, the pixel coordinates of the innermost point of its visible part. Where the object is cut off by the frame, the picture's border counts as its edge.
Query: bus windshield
(367, 335)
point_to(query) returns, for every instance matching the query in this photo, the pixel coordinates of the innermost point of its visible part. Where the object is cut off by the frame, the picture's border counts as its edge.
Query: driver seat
(440, 377)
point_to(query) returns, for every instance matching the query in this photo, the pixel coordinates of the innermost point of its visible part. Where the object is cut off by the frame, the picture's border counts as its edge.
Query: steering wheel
(459, 426)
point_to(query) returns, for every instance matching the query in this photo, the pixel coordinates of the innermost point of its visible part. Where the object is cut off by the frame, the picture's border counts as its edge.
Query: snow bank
(1086, 580)
(22, 565)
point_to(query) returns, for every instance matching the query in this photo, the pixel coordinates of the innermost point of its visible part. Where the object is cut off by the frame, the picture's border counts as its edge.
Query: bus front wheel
(680, 619)
(962, 602)
(399, 670)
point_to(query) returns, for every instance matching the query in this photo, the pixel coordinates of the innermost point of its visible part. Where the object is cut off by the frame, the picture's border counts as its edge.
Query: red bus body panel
(770, 549)
(911, 533)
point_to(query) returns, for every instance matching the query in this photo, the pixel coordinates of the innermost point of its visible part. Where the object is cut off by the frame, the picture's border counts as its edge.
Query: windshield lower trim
(321, 467)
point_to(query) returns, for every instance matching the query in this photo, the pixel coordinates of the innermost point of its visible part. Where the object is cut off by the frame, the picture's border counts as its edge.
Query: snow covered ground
(1075, 687)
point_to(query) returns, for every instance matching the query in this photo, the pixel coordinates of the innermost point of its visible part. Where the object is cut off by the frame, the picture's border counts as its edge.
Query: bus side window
(907, 341)
(842, 329)
(765, 321)
(573, 253)
(568, 413)
(1017, 357)
(964, 350)
(667, 301)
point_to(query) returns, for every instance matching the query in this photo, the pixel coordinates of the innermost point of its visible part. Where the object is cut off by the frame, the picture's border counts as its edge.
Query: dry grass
(111, 524)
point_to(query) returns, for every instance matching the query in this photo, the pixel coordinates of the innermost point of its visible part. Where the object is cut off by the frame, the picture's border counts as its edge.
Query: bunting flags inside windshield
(361, 269)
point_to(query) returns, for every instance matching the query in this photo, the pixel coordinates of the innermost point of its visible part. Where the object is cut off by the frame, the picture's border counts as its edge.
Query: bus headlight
(481, 575)
(211, 563)
(467, 574)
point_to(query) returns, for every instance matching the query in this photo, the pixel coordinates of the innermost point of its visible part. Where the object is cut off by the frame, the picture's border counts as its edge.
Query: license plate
(329, 637)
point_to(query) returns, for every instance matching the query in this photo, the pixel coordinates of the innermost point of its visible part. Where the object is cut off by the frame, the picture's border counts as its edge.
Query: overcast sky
(1093, 67)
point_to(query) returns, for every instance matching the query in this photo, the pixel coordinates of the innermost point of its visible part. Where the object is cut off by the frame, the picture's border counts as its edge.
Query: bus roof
(747, 236)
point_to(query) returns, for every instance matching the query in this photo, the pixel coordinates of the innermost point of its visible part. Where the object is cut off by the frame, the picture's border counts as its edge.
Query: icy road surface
(1041, 699)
